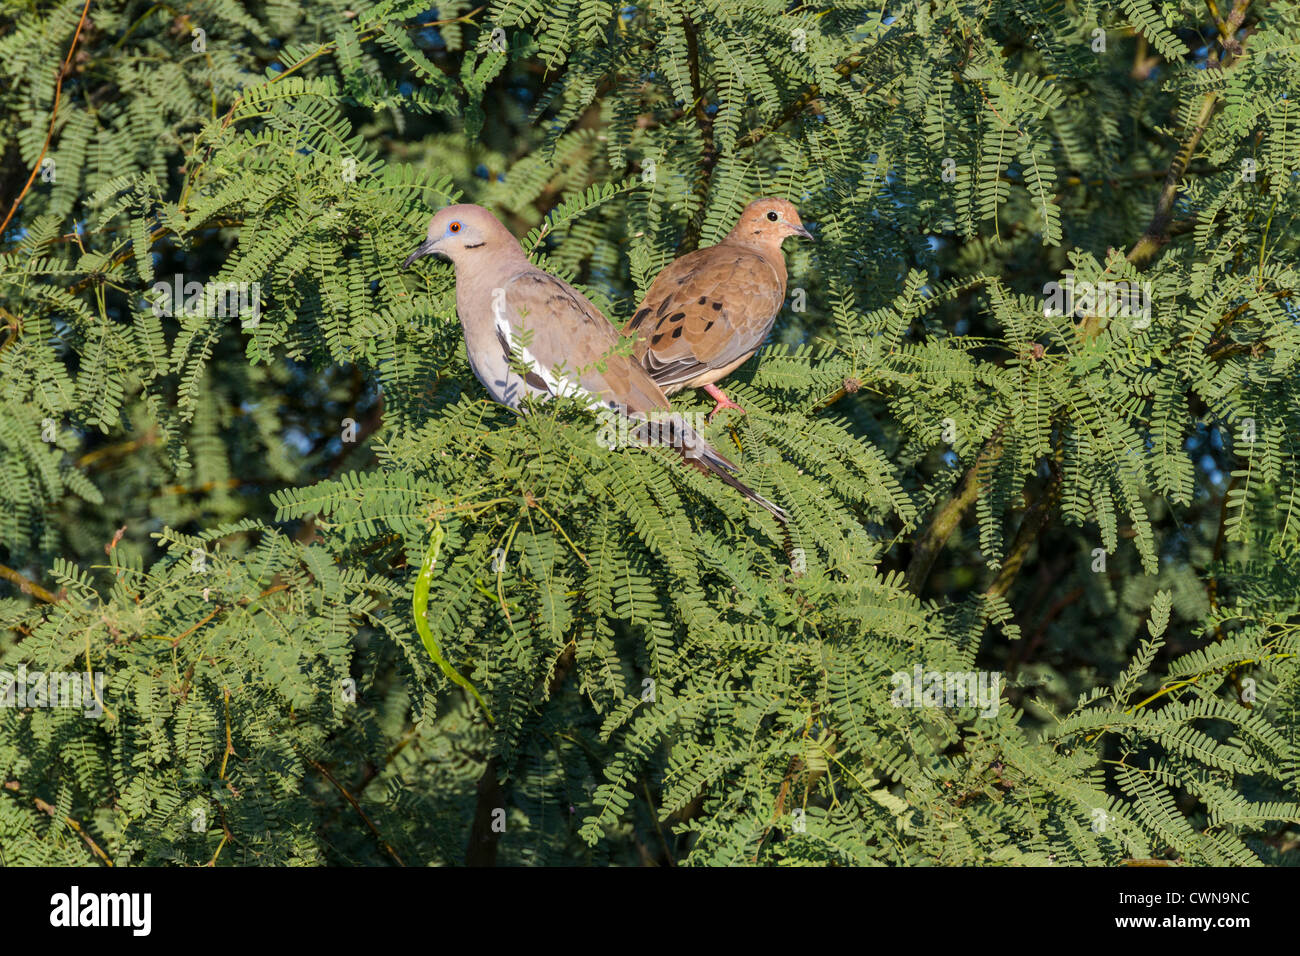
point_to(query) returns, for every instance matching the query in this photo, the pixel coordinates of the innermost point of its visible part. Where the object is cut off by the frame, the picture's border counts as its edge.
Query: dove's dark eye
(454, 227)
(773, 216)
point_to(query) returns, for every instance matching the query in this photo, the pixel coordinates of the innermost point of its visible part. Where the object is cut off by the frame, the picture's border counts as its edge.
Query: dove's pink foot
(723, 402)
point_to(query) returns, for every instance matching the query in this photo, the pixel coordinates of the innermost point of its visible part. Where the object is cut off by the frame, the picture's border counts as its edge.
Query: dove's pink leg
(723, 402)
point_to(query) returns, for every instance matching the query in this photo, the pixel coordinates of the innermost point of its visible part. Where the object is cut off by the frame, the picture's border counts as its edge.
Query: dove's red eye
(454, 227)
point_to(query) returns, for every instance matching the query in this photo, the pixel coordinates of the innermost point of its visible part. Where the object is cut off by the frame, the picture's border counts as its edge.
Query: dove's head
(768, 222)
(463, 234)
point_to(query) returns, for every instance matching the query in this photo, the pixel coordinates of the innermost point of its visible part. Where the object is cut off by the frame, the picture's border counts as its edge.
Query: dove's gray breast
(489, 322)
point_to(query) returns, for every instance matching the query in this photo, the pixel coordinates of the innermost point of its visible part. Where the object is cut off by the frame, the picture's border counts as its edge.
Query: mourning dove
(710, 310)
(528, 333)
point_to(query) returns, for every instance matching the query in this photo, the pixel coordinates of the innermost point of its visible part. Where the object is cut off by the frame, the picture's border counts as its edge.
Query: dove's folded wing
(706, 314)
(569, 347)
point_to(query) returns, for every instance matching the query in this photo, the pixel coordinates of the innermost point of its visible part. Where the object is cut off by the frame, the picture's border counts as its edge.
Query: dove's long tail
(699, 454)
(715, 464)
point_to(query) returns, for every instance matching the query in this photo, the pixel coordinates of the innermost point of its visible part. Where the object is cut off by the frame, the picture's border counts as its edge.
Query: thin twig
(949, 515)
(54, 813)
(28, 586)
(1157, 233)
(704, 123)
(356, 806)
(54, 112)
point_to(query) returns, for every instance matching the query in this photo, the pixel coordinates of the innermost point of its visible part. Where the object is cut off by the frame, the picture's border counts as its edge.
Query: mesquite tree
(282, 585)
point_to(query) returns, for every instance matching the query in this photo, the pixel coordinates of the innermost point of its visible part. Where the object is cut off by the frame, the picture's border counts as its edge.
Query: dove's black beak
(803, 233)
(424, 249)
